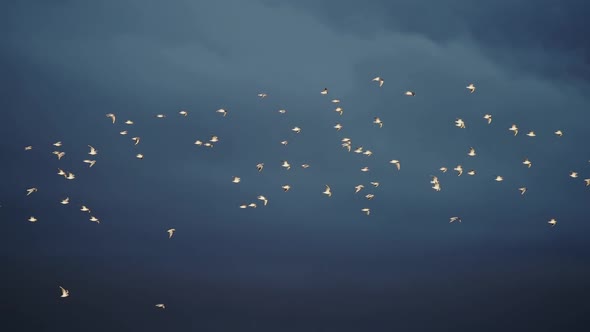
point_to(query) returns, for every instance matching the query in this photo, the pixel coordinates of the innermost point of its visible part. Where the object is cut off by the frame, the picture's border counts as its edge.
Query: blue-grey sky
(305, 262)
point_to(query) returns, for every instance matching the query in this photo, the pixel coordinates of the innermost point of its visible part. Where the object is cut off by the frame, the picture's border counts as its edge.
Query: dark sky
(305, 262)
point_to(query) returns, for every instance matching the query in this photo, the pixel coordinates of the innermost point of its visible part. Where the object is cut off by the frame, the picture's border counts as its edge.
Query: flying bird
(375, 184)
(573, 175)
(124, 132)
(514, 128)
(410, 93)
(222, 112)
(161, 306)
(263, 199)
(459, 170)
(236, 180)
(522, 190)
(32, 219)
(285, 164)
(499, 178)
(552, 222)
(339, 110)
(136, 140)
(559, 133)
(338, 127)
(262, 95)
(31, 190)
(129, 122)
(380, 80)
(89, 162)
(378, 121)
(328, 191)
(139, 156)
(324, 92)
(471, 88)
(358, 188)
(367, 211)
(94, 219)
(396, 163)
(58, 144)
(527, 162)
(471, 152)
(70, 176)
(171, 232)
(286, 187)
(365, 169)
(296, 130)
(160, 116)
(471, 172)
(488, 117)
(460, 123)
(260, 167)
(93, 151)
(443, 169)
(84, 209)
(183, 113)
(112, 116)
(531, 134)
(64, 292)
(29, 147)
(65, 201)
(453, 219)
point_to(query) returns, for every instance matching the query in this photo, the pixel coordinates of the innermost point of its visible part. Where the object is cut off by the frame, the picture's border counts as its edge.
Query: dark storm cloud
(304, 261)
(541, 37)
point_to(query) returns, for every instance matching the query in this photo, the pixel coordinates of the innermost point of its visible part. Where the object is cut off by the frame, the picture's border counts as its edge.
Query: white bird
(243, 206)
(453, 219)
(369, 196)
(368, 153)
(522, 190)
(65, 201)
(84, 209)
(31, 190)
(346, 145)
(139, 156)
(527, 162)
(335, 101)
(552, 222)
(574, 175)
(380, 80)
(236, 179)
(460, 123)
(365, 169)
(70, 176)
(93, 151)
(304, 166)
(94, 219)
(559, 133)
(514, 128)
(471, 88)
(471, 152)
(260, 167)
(587, 182)
(112, 116)
(324, 92)
(367, 211)
(124, 132)
(58, 144)
(32, 219)
(285, 164)
(128, 122)
(436, 186)
(378, 121)
(183, 113)
(214, 139)
(222, 111)
(59, 154)
(471, 172)
(64, 292)
(375, 184)
(396, 163)
(89, 162)
(488, 117)
(328, 191)
(136, 140)
(531, 134)
(359, 150)
(263, 199)
(282, 111)
(443, 169)
(499, 178)
(410, 93)
(262, 95)
(161, 306)
(198, 142)
(459, 170)
(171, 232)
(338, 127)
(284, 142)
(286, 187)
(339, 110)
(29, 147)
(358, 188)
(160, 116)
(252, 205)
(296, 130)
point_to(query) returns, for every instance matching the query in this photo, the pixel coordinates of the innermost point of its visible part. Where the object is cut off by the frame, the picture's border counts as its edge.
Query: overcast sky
(305, 262)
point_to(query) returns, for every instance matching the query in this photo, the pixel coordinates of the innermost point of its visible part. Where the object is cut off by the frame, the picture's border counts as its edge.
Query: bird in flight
(94, 219)
(453, 219)
(471, 172)
(514, 128)
(573, 174)
(410, 93)
(31, 190)
(338, 127)
(396, 163)
(459, 170)
(29, 147)
(139, 156)
(378, 121)
(236, 179)
(531, 134)
(64, 292)
(559, 133)
(112, 116)
(222, 111)
(367, 211)
(65, 201)
(527, 162)
(380, 80)
(260, 167)
(161, 306)
(499, 178)
(57, 144)
(328, 191)
(32, 219)
(488, 117)
(296, 130)
(183, 113)
(522, 190)
(136, 140)
(262, 95)
(324, 92)
(460, 123)
(70, 176)
(339, 110)
(552, 222)
(93, 151)
(171, 232)
(471, 88)
(84, 209)
(263, 199)
(90, 162)
(471, 152)
(129, 122)
(358, 188)
(286, 187)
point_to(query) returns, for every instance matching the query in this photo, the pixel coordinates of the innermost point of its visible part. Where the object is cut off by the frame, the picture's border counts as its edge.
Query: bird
(380, 80)
(94, 219)
(499, 178)
(160, 116)
(198, 142)
(64, 292)
(28, 147)
(58, 144)
(89, 162)
(358, 188)
(328, 191)
(32, 219)
(324, 92)
(339, 110)
(260, 167)
(93, 151)
(304, 166)
(410, 93)
(284, 142)
(378, 121)
(128, 122)
(471, 172)
(61, 172)
(522, 190)
(453, 219)
(365, 169)
(183, 113)
(222, 111)
(296, 130)
(112, 116)
(262, 95)
(139, 156)
(368, 153)
(335, 101)
(552, 222)
(338, 127)
(471, 152)
(286, 187)
(124, 132)
(263, 199)
(84, 209)
(460, 123)
(396, 163)
(587, 182)
(558, 133)
(459, 170)
(282, 111)
(236, 179)
(471, 88)
(252, 205)
(285, 164)
(488, 117)
(369, 196)
(59, 154)
(573, 174)
(31, 190)
(136, 140)
(214, 139)
(375, 184)
(436, 186)
(514, 128)
(531, 134)
(243, 206)
(527, 162)
(443, 169)
(367, 211)
(359, 150)
(171, 232)
(65, 201)
(346, 145)
(70, 176)
(161, 306)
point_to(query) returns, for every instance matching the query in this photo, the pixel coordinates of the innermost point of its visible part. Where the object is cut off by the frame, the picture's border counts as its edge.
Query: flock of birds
(346, 143)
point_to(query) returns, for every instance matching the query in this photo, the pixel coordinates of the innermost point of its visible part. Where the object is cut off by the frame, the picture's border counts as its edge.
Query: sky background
(305, 262)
